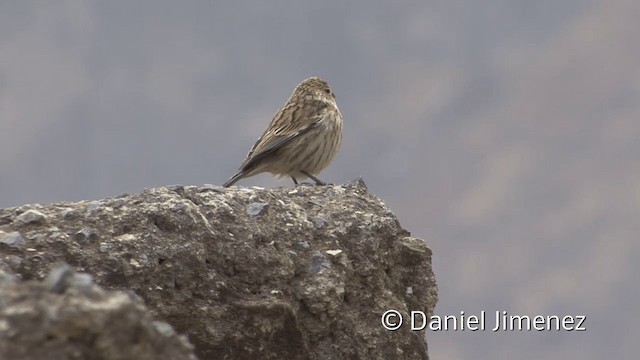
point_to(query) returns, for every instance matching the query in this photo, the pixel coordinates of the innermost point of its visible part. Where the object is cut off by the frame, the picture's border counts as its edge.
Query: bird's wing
(274, 139)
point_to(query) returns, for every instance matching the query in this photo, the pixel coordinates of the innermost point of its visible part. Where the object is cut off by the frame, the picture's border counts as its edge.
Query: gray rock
(6, 279)
(58, 278)
(38, 324)
(85, 235)
(211, 187)
(257, 209)
(93, 206)
(13, 239)
(358, 182)
(63, 277)
(319, 222)
(409, 291)
(82, 282)
(31, 216)
(302, 245)
(164, 328)
(319, 263)
(278, 288)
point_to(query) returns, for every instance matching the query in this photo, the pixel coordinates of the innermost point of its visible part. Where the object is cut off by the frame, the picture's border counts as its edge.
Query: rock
(85, 235)
(244, 273)
(257, 209)
(319, 263)
(38, 321)
(58, 279)
(13, 239)
(31, 216)
(319, 222)
(63, 277)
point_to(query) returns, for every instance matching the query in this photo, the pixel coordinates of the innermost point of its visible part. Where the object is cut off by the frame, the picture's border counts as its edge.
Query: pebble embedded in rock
(257, 209)
(409, 291)
(211, 187)
(69, 213)
(319, 263)
(58, 278)
(163, 328)
(31, 216)
(6, 279)
(83, 282)
(358, 183)
(104, 247)
(64, 276)
(319, 222)
(176, 188)
(93, 206)
(85, 235)
(14, 240)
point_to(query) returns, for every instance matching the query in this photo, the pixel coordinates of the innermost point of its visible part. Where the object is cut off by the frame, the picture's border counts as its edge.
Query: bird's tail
(239, 175)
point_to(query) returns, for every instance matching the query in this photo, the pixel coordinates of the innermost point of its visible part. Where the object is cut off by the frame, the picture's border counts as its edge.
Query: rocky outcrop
(68, 317)
(287, 273)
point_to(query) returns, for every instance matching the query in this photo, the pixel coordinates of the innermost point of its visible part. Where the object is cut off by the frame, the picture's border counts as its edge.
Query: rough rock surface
(287, 273)
(68, 317)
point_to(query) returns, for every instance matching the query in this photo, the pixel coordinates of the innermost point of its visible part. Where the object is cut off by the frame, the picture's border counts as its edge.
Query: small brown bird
(301, 140)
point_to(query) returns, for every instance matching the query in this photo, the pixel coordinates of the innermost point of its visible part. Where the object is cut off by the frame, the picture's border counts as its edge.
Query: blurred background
(504, 133)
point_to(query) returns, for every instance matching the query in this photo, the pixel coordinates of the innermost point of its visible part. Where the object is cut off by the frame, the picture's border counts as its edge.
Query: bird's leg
(294, 181)
(318, 181)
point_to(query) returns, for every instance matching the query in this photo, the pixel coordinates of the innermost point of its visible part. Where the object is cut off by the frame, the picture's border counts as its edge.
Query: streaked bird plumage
(301, 140)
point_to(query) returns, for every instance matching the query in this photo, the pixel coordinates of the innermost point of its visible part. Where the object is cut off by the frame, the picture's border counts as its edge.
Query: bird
(302, 139)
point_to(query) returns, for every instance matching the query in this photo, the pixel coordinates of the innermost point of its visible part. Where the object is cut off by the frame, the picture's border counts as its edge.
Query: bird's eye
(328, 91)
